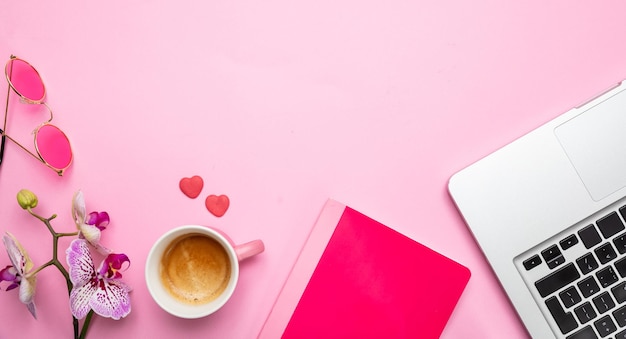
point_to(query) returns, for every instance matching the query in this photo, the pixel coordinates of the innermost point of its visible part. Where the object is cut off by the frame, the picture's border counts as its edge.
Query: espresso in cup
(195, 269)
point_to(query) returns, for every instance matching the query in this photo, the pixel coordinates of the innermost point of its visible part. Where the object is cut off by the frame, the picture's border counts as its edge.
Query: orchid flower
(89, 225)
(17, 274)
(98, 289)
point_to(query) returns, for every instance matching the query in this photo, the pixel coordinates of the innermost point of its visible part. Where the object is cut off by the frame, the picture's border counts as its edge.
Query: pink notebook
(357, 278)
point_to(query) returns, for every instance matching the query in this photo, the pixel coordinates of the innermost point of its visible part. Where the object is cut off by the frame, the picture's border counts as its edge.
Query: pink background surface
(281, 105)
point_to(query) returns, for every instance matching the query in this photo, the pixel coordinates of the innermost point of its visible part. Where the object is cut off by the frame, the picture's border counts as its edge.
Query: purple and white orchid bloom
(98, 289)
(17, 274)
(89, 225)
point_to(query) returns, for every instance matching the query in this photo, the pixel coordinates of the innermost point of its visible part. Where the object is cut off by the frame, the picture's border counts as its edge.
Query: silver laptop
(548, 212)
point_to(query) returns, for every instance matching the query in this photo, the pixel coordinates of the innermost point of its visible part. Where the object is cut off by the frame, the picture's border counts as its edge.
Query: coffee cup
(192, 270)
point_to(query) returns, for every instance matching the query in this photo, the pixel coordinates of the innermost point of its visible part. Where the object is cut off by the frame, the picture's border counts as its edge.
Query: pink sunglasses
(51, 144)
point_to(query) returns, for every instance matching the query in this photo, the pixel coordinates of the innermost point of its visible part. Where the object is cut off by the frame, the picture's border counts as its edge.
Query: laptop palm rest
(600, 164)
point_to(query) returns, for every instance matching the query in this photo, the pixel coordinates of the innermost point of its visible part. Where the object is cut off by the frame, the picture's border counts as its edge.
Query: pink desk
(281, 105)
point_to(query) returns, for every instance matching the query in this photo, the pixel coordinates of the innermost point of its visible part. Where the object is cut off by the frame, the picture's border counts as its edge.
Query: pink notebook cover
(357, 278)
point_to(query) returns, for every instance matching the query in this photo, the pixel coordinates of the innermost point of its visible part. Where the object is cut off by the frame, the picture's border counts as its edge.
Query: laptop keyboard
(579, 278)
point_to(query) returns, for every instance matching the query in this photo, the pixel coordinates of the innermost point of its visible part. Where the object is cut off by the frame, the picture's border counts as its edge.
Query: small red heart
(191, 187)
(217, 205)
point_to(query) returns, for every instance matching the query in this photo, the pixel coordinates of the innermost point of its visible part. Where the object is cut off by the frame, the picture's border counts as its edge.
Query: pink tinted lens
(53, 146)
(25, 80)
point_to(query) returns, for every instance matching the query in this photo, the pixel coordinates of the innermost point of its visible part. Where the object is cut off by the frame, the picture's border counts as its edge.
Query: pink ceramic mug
(203, 278)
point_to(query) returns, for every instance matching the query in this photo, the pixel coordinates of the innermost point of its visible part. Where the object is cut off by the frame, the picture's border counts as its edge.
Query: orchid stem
(55, 262)
(67, 234)
(31, 273)
(83, 333)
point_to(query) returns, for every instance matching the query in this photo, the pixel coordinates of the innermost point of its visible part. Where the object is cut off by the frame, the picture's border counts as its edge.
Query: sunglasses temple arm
(4, 125)
(4, 135)
(6, 113)
(49, 110)
(2, 142)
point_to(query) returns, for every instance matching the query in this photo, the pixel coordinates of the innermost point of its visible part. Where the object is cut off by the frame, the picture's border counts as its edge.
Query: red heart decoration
(191, 187)
(217, 205)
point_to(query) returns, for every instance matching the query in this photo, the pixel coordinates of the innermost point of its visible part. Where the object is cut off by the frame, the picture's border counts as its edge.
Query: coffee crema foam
(195, 269)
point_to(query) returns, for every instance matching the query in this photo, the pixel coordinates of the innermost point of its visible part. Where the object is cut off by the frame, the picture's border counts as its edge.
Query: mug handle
(249, 249)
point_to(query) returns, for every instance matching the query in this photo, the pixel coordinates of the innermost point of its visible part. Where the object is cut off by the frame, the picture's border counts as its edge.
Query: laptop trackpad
(595, 142)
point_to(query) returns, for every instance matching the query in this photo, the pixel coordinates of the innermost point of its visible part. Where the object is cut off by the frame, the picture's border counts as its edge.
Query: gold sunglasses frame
(26, 100)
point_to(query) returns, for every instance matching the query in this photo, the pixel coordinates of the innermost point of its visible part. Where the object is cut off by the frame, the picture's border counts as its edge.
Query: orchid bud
(26, 199)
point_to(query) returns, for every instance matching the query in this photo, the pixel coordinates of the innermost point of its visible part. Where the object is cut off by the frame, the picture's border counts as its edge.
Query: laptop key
(610, 225)
(532, 262)
(550, 253)
(589, 236)
(557, 280)
(620, 316)
(570, 296)
(585, 313)
(588, 286)
(621, 335)
(556, 262)
(553, 257)
(620, 243)
(620, 265)
(605, 326)
(604, 302)
(585, 333)
(607, 276)
(568, 242)
(587, 263)
(619, 292)
(605, 253)
(565, 320)
(622, 211)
